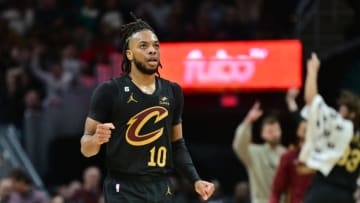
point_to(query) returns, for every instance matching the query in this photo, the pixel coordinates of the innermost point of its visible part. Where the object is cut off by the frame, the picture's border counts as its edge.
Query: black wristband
(183, 162)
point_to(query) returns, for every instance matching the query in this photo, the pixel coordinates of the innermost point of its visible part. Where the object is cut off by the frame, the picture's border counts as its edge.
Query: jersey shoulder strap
(117, 82)
(168, 86)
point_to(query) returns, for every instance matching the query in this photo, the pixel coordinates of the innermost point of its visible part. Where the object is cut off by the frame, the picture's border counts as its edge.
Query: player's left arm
(184, 163)
(181, 155)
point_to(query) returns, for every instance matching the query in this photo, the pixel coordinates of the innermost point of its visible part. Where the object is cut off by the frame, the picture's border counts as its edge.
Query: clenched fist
(204, 189)
(103, 132)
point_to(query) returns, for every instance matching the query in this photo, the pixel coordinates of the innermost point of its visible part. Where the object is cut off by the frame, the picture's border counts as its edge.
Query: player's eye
(143, 46)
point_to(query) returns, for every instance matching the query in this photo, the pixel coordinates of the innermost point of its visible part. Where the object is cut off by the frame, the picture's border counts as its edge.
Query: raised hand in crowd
(254, 114)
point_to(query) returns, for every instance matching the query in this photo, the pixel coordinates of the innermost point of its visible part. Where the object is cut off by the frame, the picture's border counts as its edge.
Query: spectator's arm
(243, 134)
(242, 141)
(311, 88)
(290, 99)
(292, 105)
(37, 70)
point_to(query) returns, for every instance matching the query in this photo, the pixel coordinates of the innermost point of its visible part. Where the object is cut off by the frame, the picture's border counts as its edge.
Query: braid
(127, 31)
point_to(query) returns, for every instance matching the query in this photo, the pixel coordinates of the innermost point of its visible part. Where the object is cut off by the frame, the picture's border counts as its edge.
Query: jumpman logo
(132, 99)
(168, 191)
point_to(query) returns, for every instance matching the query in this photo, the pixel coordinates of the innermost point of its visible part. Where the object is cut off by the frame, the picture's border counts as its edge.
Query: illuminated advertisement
(217, 66)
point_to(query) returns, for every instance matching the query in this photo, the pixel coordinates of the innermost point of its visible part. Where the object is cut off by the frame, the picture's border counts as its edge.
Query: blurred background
(52, 53)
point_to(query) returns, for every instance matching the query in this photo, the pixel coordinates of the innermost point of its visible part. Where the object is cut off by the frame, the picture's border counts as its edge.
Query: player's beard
(142, 68)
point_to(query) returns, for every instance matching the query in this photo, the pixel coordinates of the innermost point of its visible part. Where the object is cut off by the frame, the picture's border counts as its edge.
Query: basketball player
(138, 118)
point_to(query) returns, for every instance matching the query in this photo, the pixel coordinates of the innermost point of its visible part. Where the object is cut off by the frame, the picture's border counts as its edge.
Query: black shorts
(137, 191)
(326, 193)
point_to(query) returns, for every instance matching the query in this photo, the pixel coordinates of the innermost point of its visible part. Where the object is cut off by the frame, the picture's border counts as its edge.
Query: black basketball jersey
(346, 171)
(141, 142)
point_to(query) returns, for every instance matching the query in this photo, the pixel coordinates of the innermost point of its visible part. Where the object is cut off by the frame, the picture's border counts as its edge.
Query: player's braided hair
(127, 31)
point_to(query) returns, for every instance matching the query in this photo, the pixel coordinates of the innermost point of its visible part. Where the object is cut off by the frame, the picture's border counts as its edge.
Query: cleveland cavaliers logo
(137, 122)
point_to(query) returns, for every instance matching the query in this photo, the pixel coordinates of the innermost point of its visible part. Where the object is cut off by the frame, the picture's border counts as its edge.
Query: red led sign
(215, 66)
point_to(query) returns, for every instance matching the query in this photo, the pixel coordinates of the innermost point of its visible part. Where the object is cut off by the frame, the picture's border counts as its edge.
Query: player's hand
(254, 113)
(313, 63)
(291, 95)
(103, 132)
(204, 189)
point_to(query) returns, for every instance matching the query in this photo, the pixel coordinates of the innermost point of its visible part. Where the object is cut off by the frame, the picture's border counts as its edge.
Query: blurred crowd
(47, 46)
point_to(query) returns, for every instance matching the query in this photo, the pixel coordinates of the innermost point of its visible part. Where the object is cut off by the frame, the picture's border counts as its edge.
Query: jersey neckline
(138, 90)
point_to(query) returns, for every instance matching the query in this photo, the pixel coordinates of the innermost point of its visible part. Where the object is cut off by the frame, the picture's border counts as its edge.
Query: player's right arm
(95, 134)
(243, 134)
(98, 124)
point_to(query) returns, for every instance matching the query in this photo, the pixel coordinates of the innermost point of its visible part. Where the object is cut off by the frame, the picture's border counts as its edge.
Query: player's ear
(129, 55)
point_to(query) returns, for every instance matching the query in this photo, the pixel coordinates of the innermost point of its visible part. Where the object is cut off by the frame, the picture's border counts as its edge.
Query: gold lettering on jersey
(131, 99)
(351, 157)
(137, 122)
(164, 101)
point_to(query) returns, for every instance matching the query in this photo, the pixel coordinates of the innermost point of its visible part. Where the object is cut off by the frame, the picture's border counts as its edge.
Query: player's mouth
(153, 62)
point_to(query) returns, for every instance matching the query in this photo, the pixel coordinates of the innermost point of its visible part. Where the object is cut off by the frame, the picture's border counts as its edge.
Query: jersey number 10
(160, 154)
